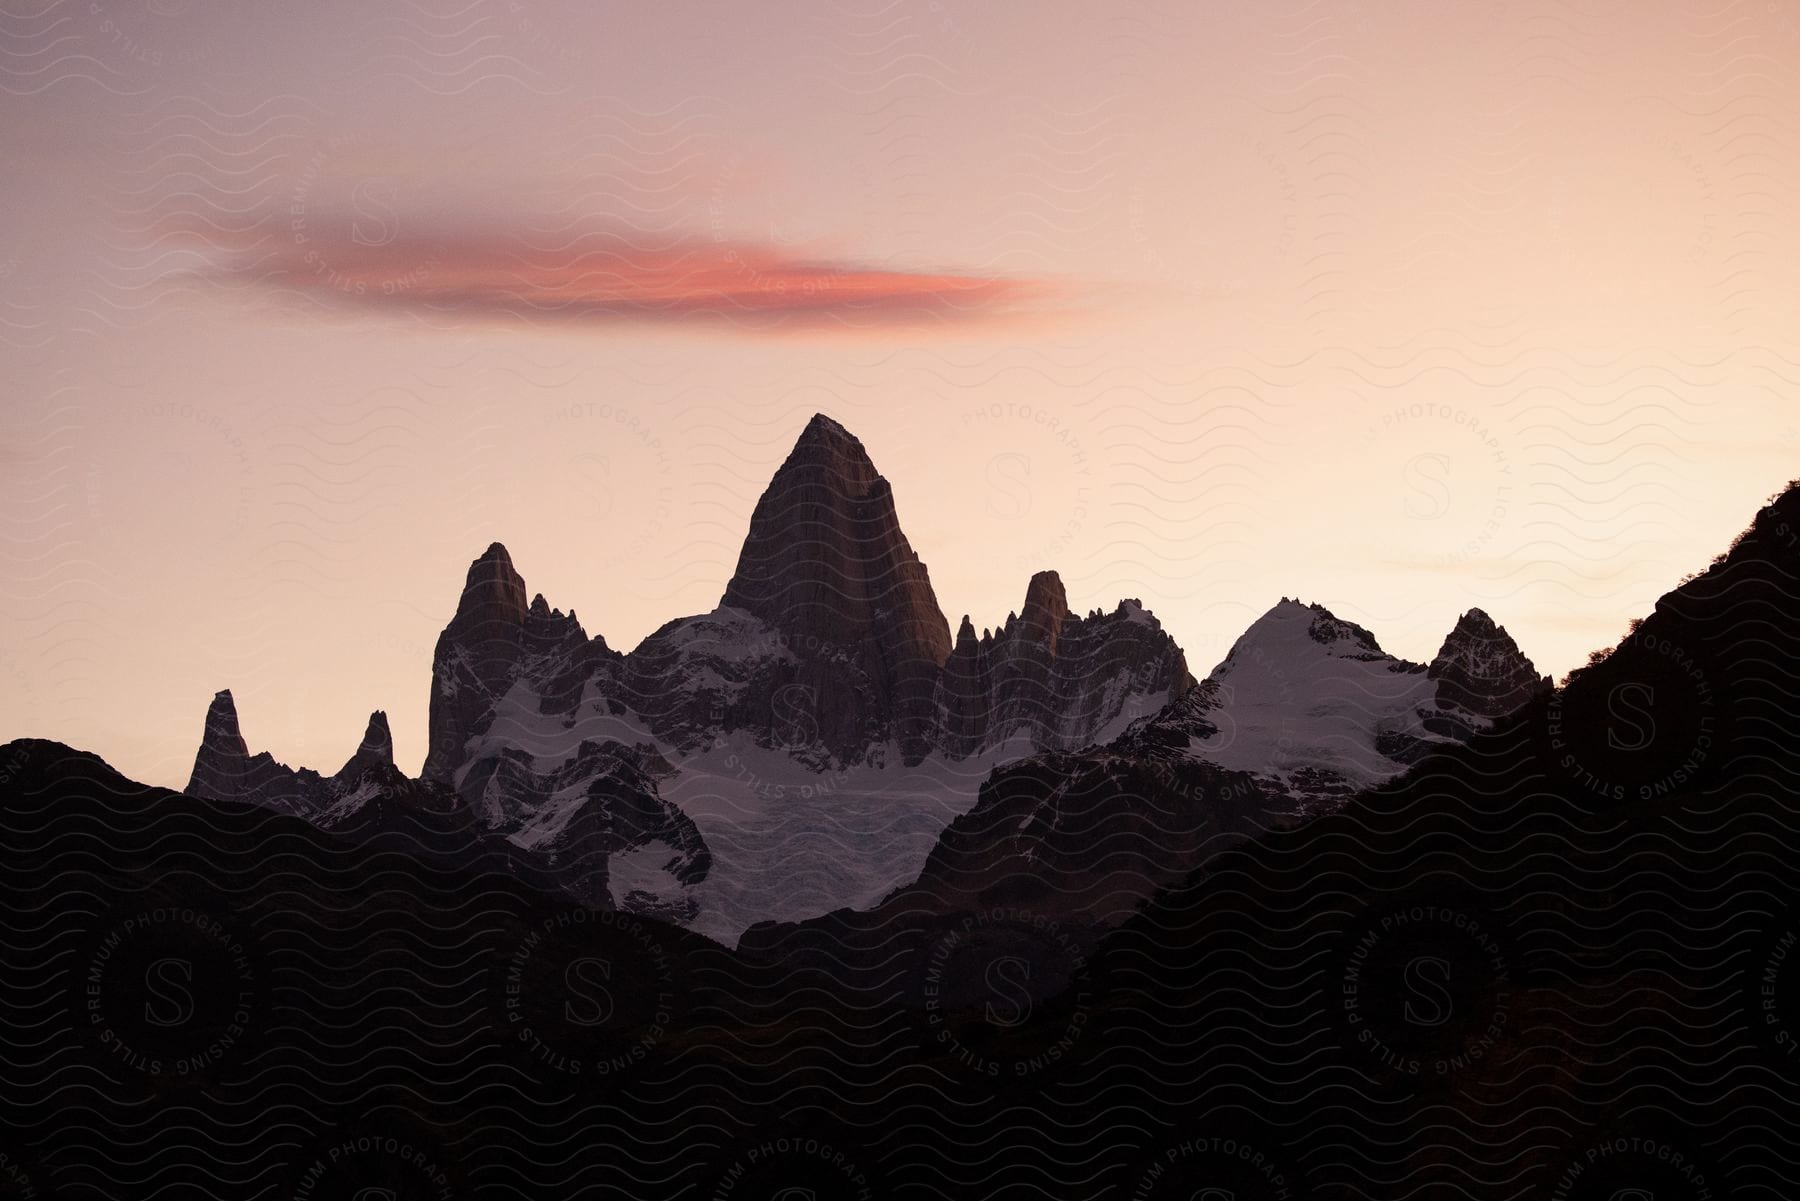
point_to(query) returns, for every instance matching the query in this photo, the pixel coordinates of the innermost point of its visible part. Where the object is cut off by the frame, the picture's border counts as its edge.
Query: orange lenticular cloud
(617, 277)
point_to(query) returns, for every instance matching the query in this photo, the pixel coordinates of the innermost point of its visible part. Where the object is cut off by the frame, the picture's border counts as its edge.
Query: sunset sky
(1400, 307)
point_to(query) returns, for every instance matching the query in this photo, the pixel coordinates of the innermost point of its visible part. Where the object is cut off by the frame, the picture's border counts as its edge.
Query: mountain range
(1325, 923)
(819, 738)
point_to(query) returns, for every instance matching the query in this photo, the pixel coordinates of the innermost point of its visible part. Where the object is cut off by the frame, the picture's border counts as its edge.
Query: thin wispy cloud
(614, 276)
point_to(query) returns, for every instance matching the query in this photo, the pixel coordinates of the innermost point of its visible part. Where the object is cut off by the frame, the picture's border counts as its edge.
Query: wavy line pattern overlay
(1100, 859)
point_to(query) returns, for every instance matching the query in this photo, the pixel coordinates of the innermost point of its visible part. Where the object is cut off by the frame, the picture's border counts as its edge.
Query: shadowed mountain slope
(1555, 961)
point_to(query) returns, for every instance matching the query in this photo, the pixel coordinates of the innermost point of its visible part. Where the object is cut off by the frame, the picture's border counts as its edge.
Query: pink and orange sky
(1397, 307)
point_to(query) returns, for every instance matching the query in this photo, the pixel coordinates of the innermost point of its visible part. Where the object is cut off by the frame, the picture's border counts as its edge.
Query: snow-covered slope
(1312, 706)
(788, 842)
(798, 748)
(1305, 710)
(746, 809)
(805, 745)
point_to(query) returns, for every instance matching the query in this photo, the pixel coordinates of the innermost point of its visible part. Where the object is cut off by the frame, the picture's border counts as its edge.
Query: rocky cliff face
(1305, 711)
(517, 689)
(1481, 674)
(827, 670)
(581, 812)
(375, 751)
(1562, 873)
(828, 643)
(826, 566)
(828, 651)
(492, 641)
(562, 822)
(1053, 679)
(225, 770)
(222, 764)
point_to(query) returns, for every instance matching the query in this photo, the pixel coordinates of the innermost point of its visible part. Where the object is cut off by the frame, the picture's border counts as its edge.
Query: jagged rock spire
(493, 631)
(222, 733)
(825, 555)
(1046, 605)
(376, 749)
(494, 592)
(475, 655)
(225, 770)
(220, 762)
(1481, 669)
(825, 561)
(1052, 676)
(828, 638)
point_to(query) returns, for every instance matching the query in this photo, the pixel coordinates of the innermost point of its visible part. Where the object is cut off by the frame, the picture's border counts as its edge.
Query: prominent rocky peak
(1288, 614)
(1311, 705)
(1045, 591)
(1292, 632)
(375, 751)
(1481, 669)
(829, 447)
(1046, 605)
(221, 735)
(825, 563)
(1476, 624)
(225, 770)
(1474, 638)
(493, 592)
(825, 556)
(548, 629)
(828, 642)
(223, 758)
(493, 638)
(1054, 677)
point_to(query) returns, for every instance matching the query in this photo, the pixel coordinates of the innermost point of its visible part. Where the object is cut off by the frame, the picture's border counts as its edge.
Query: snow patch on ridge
(789, 843)
(645, 870)
(1303, 697)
